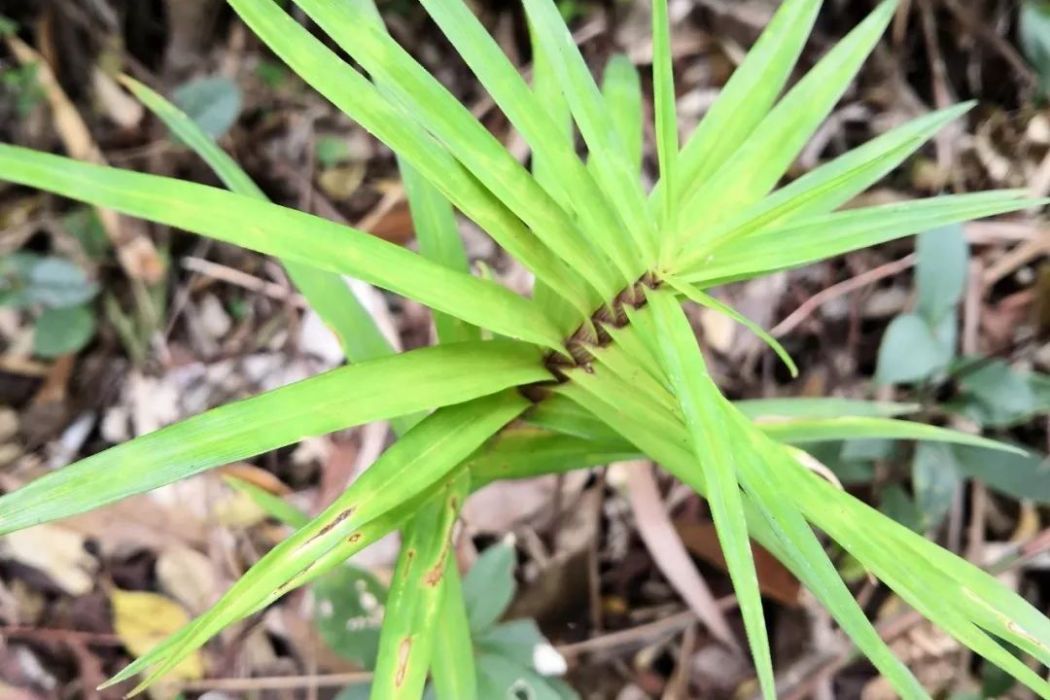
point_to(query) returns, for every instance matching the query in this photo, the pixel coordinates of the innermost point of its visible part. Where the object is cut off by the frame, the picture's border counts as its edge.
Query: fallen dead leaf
(55, 551)
(142, 620)
(187, 576)
(775, 581)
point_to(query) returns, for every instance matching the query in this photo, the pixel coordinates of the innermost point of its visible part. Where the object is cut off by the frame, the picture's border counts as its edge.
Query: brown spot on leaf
(332, 525)
(404, 650)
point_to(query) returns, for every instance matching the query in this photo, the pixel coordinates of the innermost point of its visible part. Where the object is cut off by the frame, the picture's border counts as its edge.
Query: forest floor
(162, 325)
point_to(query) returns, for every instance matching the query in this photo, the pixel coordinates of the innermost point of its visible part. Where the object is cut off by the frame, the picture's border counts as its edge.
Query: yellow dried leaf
(143, 620)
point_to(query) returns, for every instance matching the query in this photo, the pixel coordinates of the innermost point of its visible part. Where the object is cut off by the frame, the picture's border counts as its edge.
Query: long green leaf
(747, 97)
(359, 99)
(541, 115)
(327, 292)
(438, 236)
(666, 445)
(665, 108)
(761, 161)
(761, 465)
(412, 467)
(706, 300)
(344, 397)
(283, 232)
(812, 239)
(416, 596)
(614, 172)
(525, 452)
(714, 449)
(799, 431)
(468, 140)
(622, 92)
(452, 668)
(828, 187)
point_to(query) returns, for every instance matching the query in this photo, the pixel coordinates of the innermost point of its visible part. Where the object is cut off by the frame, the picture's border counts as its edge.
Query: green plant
(919, 349)
(59, 295)
(599, 364)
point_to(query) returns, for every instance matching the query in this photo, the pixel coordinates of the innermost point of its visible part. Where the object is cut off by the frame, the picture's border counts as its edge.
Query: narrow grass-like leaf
(816, 238)
(664, 105)
(344, 397)
(438, 236)
(706, 300)
(924, 579)
(747, 97)
(413, 466)
(416, 596)
(360, 100)
(613, 169)
(761, 161)
(561, 415)
(941, 586)
(804, 407)
(800, 431)
(423, 97)
(829, 186)
(327, 292)
(452, 668)
(274, 506)
(283, 232)
(543, 118)
(525, 452)
(714, 449)
(622, 91)
(760, 466)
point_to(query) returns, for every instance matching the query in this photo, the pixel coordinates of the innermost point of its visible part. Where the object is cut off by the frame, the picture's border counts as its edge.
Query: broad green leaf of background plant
(212, 103)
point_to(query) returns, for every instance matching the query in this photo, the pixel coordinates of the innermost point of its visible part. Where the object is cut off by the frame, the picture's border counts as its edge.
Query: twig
(638, 636)
(60, 635)
(242, 279)
(670, 555)
(331, 680)
(987, 34)
(795, 319)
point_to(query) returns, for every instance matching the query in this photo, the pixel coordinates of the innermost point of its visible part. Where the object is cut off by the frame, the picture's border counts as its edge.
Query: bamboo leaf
(414, 604)
(747, 97)
(762, 463)
(829, 186)
(622, 91)
(452, 668)
(713, 448)
(360, 100)
(799, 431)
(348, 396)
(422, 96)
(411, 468)
(282, 232)
(761, 161)
(525, 452)
(327, 292)
(665, 108)
(816, 238)
(708, 301)
(613, 170)
(543, 118)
